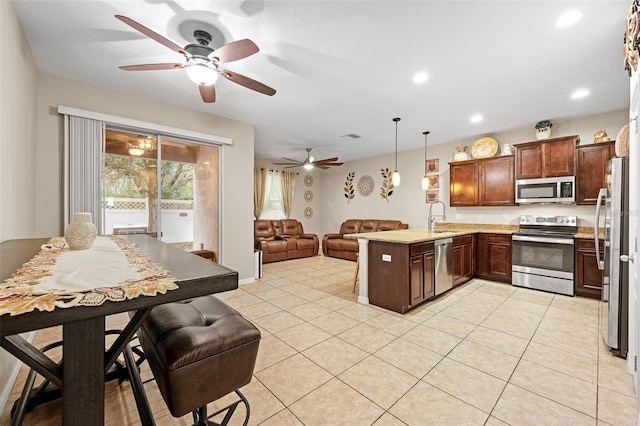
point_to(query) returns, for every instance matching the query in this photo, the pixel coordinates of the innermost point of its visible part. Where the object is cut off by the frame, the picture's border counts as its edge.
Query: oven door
(543, 255)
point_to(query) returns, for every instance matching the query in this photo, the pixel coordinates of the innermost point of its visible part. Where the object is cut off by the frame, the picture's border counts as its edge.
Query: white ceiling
(343, 67)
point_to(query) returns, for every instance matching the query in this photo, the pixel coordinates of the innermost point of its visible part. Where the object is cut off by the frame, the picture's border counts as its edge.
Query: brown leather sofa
(283, 239)
(335, 245)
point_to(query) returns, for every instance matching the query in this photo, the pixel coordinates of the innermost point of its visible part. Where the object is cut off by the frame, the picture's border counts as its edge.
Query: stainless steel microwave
(546, 190)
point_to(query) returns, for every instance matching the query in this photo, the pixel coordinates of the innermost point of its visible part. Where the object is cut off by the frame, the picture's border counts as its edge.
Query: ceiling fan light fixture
(308, 166)
(201, 71)
(136, 152)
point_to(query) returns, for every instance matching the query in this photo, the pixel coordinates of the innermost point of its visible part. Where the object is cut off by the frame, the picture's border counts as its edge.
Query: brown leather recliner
(283, 239)
(335, 245)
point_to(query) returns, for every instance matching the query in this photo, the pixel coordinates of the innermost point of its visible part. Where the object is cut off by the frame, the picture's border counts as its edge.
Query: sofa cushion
(304, 243)
(277, 227)
(369, 225)
(350, 226)
(262, 229)
(388, 225)
(278, 246)
(291, 227)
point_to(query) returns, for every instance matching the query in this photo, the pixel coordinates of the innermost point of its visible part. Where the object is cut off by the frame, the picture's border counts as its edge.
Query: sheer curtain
(286, 188)
(259, 191)
(83, 146)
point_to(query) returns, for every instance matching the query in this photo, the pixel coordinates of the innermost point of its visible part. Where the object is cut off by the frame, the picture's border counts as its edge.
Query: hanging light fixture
(425, 179)
(395, 176)
(141, 145)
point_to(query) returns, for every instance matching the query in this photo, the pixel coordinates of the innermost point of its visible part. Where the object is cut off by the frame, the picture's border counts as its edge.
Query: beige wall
(18, 83)
(237, 159)
(408, 200)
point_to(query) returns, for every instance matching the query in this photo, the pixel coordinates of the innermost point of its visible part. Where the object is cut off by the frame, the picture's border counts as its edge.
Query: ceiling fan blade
(289, 159)
(152, 67)
(332, 164)
(208, 93)
(248, 82)
(321, 166)
(235, 50)
(291, 167)
(287, 164)
(151, 34)
(327, 160)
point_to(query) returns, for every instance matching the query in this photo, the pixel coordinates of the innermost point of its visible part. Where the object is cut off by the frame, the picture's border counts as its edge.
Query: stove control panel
(549, 220)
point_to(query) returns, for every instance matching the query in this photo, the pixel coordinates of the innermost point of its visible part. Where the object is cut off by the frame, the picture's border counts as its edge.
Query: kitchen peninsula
(398, 268)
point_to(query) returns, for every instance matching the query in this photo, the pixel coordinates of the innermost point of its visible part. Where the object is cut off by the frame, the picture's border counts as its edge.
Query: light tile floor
(484, 354)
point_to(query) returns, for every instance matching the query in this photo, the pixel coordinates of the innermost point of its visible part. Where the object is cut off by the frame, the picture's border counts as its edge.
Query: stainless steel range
(542, 254)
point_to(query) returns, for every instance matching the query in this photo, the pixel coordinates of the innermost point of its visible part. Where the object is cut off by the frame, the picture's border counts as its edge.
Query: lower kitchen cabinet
(463, 259)
(493, 257)
(401, 276)
(588, 277)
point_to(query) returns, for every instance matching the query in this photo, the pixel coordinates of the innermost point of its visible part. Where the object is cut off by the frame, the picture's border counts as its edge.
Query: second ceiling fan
(310, 162)
(203, 63)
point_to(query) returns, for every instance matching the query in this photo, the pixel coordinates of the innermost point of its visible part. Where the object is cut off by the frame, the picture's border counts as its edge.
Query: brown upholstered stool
(199, 351)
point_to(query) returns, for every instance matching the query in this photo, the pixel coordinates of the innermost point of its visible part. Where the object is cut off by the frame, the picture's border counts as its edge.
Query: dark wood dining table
(81, 377)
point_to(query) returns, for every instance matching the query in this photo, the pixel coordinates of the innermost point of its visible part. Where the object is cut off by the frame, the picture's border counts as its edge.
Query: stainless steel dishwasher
(444, 265)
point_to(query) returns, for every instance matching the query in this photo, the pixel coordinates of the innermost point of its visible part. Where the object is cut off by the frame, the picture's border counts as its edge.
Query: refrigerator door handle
(602, 195)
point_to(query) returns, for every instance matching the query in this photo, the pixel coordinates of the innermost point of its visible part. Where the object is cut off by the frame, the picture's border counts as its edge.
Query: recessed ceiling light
(476, 118)
(568, 19)
(580, 93)
(420, 77)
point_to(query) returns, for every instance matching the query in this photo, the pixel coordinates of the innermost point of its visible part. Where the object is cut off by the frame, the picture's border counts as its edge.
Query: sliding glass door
(178, 201)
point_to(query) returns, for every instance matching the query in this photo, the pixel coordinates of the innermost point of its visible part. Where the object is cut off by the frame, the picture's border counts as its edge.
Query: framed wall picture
(433, 165)
(433, 195)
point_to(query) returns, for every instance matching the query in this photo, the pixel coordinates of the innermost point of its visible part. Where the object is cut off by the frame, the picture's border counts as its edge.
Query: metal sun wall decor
(349, 192)
(387, 186)
(365, 185)
(632, 38)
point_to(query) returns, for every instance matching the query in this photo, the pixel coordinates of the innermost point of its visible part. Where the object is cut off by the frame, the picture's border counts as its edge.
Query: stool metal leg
(200, 417)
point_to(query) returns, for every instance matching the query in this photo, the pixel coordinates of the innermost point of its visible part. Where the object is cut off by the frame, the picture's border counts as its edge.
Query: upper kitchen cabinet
(592, 161)
(546, 158)
(482, 182)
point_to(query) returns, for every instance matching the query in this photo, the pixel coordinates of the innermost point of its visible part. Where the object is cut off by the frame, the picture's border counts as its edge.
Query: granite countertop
(443, 230)
(451, 229)
(588, 234)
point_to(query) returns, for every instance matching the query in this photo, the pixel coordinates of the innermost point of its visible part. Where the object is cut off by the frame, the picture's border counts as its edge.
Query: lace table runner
(57, 277)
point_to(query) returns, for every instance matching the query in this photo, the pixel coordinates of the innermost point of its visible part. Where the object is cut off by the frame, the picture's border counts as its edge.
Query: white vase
(81, 232)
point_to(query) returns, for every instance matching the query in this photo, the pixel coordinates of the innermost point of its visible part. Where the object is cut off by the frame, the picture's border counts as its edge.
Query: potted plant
(543, 129)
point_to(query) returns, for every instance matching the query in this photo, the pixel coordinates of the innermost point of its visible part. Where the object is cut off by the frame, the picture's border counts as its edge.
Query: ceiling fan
(203, 63)
(310, 162)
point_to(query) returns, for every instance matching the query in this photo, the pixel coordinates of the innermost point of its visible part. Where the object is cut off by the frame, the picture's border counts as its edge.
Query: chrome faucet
(436, 218)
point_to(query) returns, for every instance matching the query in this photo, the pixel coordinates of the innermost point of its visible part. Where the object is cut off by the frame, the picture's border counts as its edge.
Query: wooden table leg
(83, 372)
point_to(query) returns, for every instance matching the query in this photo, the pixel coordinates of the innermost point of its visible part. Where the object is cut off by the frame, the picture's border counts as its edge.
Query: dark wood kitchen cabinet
(401, 276)
(547, 158)
(587, 276)
(463, 187)
(484, 182)
(493, 256)
(592, 160)
(463, 259)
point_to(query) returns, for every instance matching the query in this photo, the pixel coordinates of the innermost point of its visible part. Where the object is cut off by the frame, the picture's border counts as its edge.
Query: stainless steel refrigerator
(614, 261)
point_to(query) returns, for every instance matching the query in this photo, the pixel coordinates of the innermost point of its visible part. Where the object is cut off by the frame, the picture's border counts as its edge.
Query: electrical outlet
(480, 216)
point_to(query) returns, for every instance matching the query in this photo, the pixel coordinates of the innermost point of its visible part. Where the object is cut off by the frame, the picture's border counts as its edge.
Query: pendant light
(425, 179)
(395, 176)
